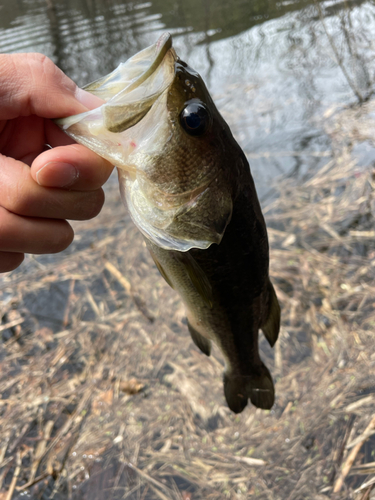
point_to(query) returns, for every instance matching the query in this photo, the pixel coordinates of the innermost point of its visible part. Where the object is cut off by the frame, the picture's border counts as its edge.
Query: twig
(337, 55)
(11, 324)
(159, 493)
(28, 485)
(358, 439)
(15, 476)
(352, 456)
(365, 485)
(93, 304)
(39, 452)
(120, 278)
(366, 494)
(137, 299)
(253, 462)
(359, 402)
(278, 358)
(75, 420)
(21, 435)
(148, 478)
(3, 451)
(69, 301)
(339, 452)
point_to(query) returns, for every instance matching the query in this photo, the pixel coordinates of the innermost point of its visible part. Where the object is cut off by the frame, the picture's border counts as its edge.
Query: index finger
(31, 84)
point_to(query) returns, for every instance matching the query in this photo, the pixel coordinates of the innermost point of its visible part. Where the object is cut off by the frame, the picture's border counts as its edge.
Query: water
(276, 70)
(273, 67)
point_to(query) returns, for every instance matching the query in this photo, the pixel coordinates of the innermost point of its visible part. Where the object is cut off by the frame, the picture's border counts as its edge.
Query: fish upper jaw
(134, 124)
(128, 93)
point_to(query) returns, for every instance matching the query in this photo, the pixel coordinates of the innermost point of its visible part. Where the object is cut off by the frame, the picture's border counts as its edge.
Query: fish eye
(195, 118)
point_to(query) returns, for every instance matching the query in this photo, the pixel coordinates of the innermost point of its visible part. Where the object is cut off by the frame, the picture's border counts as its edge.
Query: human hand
(39, 188)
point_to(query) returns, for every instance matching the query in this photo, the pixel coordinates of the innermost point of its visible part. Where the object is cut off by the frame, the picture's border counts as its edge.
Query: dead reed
(104, 395)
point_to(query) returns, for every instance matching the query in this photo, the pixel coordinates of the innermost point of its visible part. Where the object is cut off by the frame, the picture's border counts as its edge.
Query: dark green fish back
(242, 296)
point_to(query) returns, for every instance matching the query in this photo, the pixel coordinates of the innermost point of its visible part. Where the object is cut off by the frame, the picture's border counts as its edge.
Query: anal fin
(200, 341)
(272, 325)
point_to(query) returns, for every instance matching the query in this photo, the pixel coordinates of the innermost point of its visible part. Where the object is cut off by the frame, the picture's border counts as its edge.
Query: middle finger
(20, 194)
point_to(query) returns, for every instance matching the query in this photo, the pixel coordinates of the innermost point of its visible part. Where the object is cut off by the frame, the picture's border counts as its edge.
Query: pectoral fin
(272, 325)
(206, 216)
(198, 278)
(160, 268)
(200, 341)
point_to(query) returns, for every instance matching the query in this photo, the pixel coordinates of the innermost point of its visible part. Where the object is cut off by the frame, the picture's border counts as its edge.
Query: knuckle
(40, 64)
(18, 200)
(17, 205)
(39, 59)
(62, 237)
(6, 227)
(44, 74)
(91, 205)
(15, 192)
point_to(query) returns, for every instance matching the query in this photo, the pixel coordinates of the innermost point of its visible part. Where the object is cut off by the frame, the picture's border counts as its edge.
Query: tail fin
(272, 325)
(257, 386)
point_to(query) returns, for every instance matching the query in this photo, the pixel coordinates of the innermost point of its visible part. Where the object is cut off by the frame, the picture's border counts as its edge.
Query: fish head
(173, 150)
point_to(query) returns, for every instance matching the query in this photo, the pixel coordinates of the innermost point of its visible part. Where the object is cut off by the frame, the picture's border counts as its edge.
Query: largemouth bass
(189, 190)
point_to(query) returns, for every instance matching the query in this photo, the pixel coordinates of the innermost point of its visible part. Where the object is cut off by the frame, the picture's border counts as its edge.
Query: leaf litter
(104, 395)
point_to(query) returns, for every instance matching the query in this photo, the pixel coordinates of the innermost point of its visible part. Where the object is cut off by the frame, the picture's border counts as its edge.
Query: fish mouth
(130, 129)
(129, 92)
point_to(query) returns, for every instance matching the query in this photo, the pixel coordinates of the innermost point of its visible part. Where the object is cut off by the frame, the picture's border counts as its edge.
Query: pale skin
(41, 188)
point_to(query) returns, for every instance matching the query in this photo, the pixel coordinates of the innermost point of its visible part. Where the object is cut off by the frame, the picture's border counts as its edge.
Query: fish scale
(189, 190)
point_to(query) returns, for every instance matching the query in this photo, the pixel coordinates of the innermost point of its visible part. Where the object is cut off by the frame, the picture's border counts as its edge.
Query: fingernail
(57, 174)
(89, 100)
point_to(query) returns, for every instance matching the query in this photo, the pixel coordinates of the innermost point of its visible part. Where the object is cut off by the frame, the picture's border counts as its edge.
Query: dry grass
(104, 395)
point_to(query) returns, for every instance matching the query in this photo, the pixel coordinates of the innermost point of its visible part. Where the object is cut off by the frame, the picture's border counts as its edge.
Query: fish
(189, 190)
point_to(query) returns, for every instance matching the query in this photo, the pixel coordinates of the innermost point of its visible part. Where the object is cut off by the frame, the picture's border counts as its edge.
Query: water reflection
(273, 67)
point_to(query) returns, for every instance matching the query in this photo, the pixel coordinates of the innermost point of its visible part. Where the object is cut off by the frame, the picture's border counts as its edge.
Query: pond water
(273, 67)
(102, 393)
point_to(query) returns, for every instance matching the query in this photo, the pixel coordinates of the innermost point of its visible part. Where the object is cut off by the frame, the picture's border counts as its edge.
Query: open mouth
(129, 93)
(130, 129)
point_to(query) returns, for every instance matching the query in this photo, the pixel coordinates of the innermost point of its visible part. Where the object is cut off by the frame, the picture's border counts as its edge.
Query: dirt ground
(104, 395)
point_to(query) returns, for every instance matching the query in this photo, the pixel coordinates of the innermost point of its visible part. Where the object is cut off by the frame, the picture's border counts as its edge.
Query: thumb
(31, 84)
